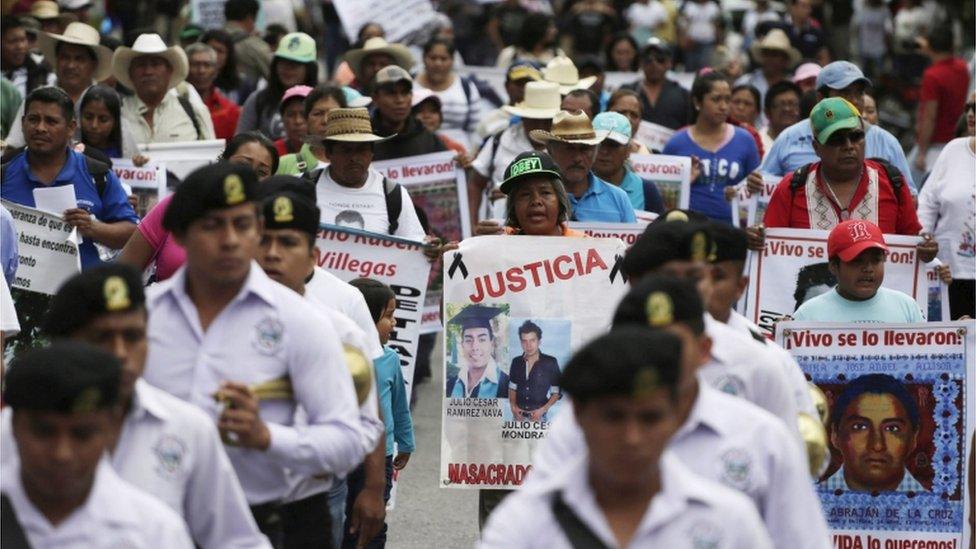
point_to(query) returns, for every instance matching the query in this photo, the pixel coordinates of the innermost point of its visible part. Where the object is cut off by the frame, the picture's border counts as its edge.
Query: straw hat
(568, 127)
(400, 54)
(541, 101)
(351, 126)
(78, 34)
(776, 40)
(562, 71)
(149, 44)
(42, 10)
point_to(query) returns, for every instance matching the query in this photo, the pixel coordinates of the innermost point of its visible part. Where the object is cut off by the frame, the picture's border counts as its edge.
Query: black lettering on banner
(457, 264)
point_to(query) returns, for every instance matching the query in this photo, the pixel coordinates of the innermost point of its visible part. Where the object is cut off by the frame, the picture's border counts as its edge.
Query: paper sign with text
(183, 157)
(671, 175)
(653, 136)
(400, 18)
(148, 182)
(752, 208)
(626, 232)
(48, 254)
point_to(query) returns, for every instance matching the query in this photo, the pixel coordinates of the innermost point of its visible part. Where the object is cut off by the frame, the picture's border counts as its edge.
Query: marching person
(105, 307)
(60, 489)
(221, 295)
(518, 75)
(663, 101)
(612, 164)
(621, 487)
(392, 96)
(253, 55)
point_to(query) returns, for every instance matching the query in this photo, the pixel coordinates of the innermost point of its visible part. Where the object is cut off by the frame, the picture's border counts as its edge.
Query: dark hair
(940, 39)
(110, 98)
(703, 84)
(589, 62)
(623, 36)
(244, 138)
(228, 77)
(239, 10)
(625, 362)
(350, 215)
(874, 384)
(274, 33)
(52, 94)
(321, 91)
(10, 22)
(435, 41)
(376, 294)
(529, 327)
(815, 274)
(89, 49)
(268, 99)
(362, 29)
(752, 90)
(624, 92)
(587, 93)
(778, 89)
(533, 30)
(807, 102)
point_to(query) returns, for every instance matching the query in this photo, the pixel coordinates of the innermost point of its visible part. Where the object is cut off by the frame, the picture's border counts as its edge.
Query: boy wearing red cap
(856, 249)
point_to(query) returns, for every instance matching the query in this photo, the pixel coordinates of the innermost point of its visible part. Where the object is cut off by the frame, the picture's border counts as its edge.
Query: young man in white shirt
(622, 489)
(220, 326)
(60, 490)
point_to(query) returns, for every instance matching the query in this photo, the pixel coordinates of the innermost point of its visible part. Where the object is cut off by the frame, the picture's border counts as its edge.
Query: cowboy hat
(78, 34)
(149, 44)
(350, 126)
(400, 54)
(541, 101)
(568, 127)
(775, 40)
(42, 10)
(562, 71)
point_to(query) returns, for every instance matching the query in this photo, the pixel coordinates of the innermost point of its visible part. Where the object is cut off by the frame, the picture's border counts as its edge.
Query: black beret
(731, 243)
(213, 187)
(659, 301)
(668, 241)
(67, 377)
(279, 183)
(290, 210)
(108, 288)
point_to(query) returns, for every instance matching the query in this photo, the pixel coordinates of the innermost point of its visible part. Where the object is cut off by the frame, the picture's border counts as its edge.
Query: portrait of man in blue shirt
(479, 375)
(533, 378)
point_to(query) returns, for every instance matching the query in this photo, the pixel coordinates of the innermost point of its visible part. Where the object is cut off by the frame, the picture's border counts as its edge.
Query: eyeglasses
(970, 107)
(838, 139)
(659, 59)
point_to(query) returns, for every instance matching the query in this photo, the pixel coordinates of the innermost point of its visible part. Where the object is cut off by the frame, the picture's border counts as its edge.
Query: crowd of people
(136, 415)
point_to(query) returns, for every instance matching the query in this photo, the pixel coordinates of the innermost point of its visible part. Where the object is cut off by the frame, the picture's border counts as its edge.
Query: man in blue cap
(793, 147)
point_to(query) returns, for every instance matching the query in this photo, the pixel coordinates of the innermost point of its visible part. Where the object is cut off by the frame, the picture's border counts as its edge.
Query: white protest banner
(405, 16)
(183, 157)
(752, 207)
(653, 136)
(209, 14)
(494, 76)
(793, 268)
(148, 182)
(48, 254)
(626, 232)
(671, 175)
(900, 416)
(938, 293)
(437, 185)
(563, 292)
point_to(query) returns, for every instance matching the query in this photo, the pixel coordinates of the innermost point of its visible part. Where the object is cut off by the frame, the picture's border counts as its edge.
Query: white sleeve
(482, 162)
(563, 443)
(358, 312)
(929, 196)
(521, 521)
(773, 394)
(9, 325)
(202, 112)
(750, 532)
(409, 224)
(798, 382)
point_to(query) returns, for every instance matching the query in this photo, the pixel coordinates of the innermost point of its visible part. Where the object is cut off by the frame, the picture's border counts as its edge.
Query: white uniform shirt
(328, 289)
(364, 208)
(689, 511)
(730, 441)
(265, 333)
(115, 515)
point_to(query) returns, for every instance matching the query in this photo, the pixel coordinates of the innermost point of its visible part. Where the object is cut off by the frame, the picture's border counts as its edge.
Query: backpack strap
(466, 86)
(894, 175)
(580, 535)
(99, 172)
(188, 109)
(798, 181)
(11, 532)
(394, 203)
(312, 176)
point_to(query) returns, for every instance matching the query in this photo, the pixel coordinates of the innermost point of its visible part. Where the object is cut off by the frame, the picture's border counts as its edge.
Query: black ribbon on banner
(455, 265)
(617, 259)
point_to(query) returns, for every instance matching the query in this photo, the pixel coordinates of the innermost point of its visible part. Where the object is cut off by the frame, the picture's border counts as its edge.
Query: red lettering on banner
(490, 474)
(900, 338)
(563, 267)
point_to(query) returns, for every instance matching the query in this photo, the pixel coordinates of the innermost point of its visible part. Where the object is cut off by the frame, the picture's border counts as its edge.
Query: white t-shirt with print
(364, 207)
(701, 21)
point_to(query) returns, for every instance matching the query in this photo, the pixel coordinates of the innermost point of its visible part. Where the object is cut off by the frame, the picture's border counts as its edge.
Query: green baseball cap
(298, 47)
(528, 164)
(832, 114)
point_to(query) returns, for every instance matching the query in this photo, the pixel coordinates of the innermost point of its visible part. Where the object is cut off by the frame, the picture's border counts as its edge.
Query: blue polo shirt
(602, 202)
(793, 149)
(113, 206)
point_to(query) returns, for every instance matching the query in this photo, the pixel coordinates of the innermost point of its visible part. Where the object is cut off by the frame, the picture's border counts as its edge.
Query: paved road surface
(427, 516)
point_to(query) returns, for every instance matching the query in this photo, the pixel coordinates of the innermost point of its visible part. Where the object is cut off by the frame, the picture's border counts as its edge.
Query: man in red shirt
(843, 185)
(940, 102)
(203, 73)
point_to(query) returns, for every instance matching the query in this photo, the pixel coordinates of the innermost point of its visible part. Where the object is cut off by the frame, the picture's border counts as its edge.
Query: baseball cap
(294, 91)
(108, 288)
(840, 74)
(832, 114)
(298, 47)
(805, 71)
(354, 98)
(213, 187)
(423, 94)
(528, 164)
(656, 44)
(65, 377)
(615, 123)
(391, 74)
(523, 70)
(849, 238)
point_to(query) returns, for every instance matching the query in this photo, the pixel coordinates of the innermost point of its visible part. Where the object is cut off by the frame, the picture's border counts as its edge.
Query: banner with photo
(48, 250)
(626, 232)
(752, 208)
(793, 268)
(938, 296)
(400, 264)
(653, 136)
(900, 415)
(671, 175)
(437, 185)
(540, 300)
(185, 156)
(147, 182)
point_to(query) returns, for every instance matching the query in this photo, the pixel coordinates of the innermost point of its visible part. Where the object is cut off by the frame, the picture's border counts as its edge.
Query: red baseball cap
(849, 238)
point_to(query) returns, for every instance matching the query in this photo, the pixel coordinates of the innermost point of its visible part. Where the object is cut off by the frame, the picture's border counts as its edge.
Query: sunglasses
(659, 59)
(970, 107)
(838, 139)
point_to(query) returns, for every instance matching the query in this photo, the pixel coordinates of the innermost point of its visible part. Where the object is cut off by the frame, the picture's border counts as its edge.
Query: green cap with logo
(528, 164)
(832, 114)
(298, 47)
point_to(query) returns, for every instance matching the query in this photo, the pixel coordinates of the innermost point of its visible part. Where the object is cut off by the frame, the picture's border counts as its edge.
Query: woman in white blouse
(460, 100)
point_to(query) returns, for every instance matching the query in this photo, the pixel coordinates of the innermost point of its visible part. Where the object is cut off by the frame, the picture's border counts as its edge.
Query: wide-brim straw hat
(42, 10)
(400, 54)
(570, 127)
(351, 125)
(541, 101)
(78, 34)
(563, 71)
(776, 40)
(149, 44)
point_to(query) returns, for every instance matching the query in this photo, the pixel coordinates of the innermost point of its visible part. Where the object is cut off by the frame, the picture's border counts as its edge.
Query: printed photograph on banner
(938, 296)
(538, 350)
(899, 420)
(670, 174)
(146, 183)
(475, 336)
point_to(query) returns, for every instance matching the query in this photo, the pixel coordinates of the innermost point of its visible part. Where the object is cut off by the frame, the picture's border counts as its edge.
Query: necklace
(845, 213)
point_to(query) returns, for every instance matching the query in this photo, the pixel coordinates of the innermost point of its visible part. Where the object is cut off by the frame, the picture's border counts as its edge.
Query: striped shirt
(459, 111)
